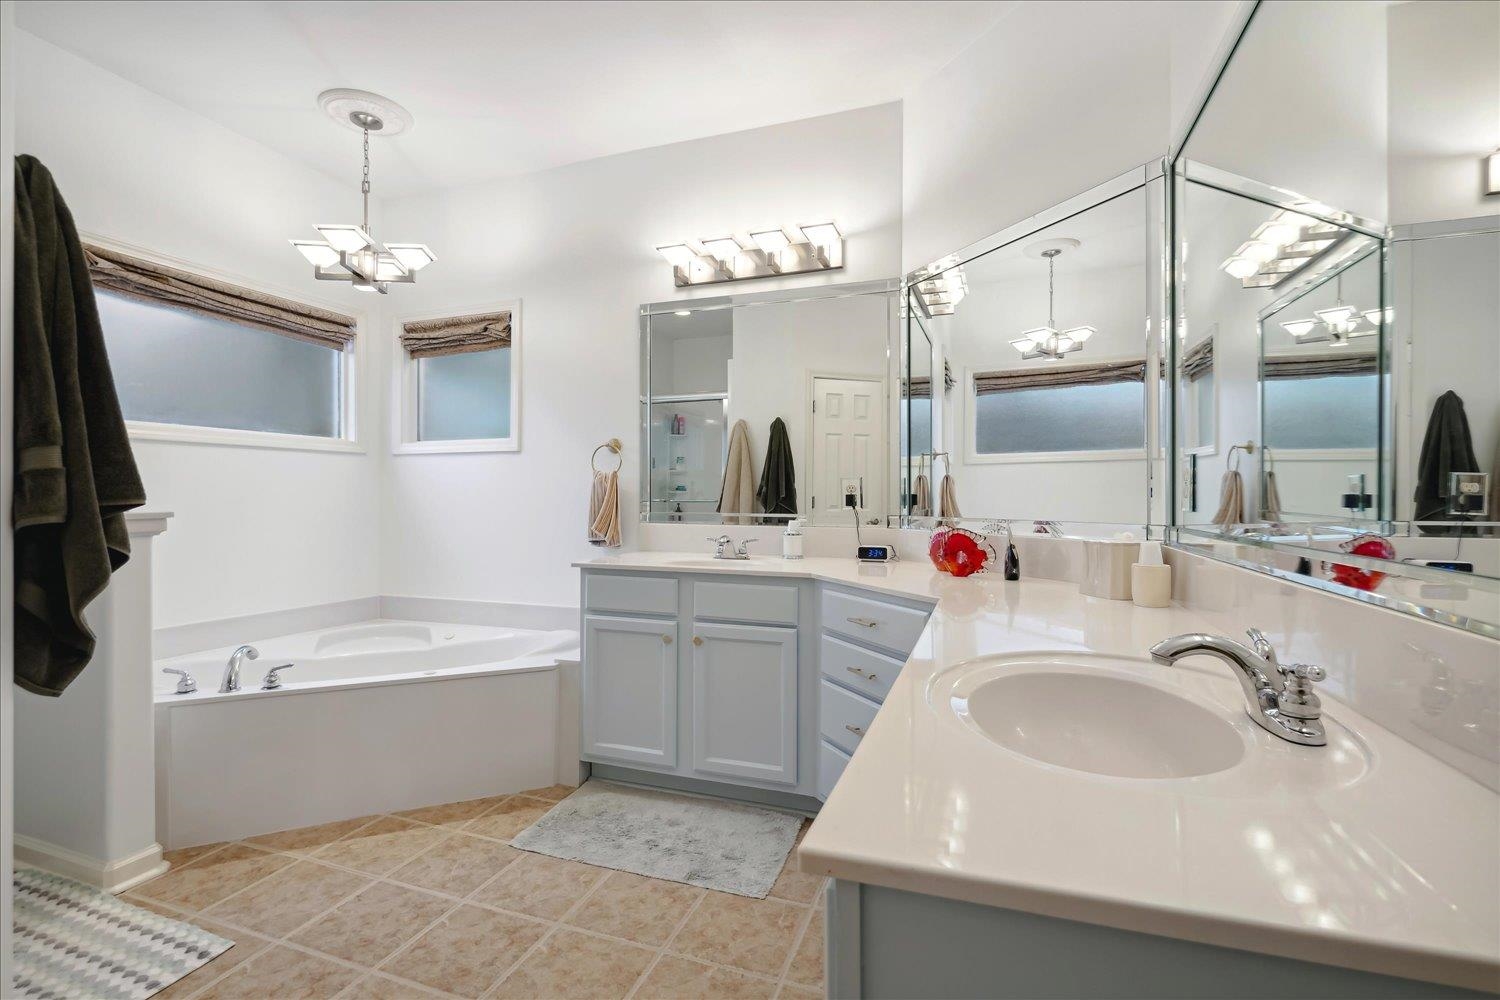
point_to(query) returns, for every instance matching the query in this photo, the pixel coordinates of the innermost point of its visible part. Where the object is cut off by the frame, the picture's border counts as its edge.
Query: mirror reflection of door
(848, 449)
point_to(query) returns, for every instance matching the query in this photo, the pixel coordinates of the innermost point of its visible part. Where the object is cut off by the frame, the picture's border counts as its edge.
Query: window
(460, 382)
(185, 368)
(1336, 411)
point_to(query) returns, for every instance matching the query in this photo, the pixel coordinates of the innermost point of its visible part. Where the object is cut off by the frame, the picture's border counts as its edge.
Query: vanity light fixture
(942, 292)
(348, 252)
(1047, 341)
(767, 253)
(1282, 246)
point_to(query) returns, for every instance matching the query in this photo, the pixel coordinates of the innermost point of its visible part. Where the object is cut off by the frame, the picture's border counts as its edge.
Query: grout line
(796, 947)
(661, 952)
(548, 934)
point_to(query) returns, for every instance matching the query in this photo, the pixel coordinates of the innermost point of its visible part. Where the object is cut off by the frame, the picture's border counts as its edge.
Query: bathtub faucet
(232, 668)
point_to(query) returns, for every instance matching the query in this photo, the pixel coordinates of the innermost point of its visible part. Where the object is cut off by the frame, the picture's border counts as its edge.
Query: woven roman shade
(920, 388)
(434, 338)
(1289, 366)
(1055, 377)
(1199, 360)
(158, 284)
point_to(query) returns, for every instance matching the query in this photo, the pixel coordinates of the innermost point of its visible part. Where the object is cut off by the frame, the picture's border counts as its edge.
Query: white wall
(1054, 99)
(575, 245)
(1444, 81)
(255, 530)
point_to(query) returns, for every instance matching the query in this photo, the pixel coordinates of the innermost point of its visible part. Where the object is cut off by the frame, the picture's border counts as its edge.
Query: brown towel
(604, 509)
(1271, 505)
(75, 476)
(737, 495)
(922, 504)
(948, 499)
(1231, 500)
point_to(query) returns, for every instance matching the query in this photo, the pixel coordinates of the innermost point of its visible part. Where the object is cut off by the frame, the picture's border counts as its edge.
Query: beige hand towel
(948, 500)
(737, 496)
(604, 510)
(1231, 500)
(922, 505)
(1271, 506)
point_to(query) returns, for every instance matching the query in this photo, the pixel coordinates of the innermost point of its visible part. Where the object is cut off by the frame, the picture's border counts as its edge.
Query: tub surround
(1389, 869)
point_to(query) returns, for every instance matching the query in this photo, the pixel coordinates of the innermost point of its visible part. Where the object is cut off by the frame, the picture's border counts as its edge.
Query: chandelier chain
(1051, 271)
(364, 184)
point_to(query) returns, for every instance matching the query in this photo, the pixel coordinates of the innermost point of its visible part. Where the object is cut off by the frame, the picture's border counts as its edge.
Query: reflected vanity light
(942, 293)
(767, 253)
(1280, 247)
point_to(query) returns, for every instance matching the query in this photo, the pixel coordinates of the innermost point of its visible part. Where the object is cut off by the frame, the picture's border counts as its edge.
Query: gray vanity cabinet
(630, 690)
(745, 702)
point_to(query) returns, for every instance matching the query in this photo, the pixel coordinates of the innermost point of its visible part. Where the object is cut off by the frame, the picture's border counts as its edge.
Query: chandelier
(1047, 341)
(349, 252)
(1339, 323)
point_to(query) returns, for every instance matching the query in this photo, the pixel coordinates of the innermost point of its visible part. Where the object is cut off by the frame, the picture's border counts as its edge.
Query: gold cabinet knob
(666, 640)
(697, 640)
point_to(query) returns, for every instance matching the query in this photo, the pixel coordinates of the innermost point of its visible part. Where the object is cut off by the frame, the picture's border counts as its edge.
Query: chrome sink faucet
(724, 548)
(1289, 709)
(232, 668)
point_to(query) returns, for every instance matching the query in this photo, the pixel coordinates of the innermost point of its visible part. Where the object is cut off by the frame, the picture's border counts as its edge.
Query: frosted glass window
(1069, 418)
(176, 367)
(1202, 389)
(1341, 411)
(464, 397)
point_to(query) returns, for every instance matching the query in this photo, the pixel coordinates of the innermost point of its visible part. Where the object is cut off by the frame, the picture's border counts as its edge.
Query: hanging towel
(75, 474)
(922, 504)
(778, 480)
(1446, 448)
(1231, 499)
(948, 499)
(1494, 512)
(737, 495)
(1271, 506)
(604, 509)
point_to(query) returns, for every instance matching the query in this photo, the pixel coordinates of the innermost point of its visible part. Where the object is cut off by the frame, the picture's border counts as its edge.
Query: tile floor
(434, 902)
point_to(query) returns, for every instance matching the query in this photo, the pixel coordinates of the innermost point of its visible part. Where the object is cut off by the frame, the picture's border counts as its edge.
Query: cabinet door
(744, 687)
(630, 690)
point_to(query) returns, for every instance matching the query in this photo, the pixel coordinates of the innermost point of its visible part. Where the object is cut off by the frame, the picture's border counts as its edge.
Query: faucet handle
(1303, 672)
(1262, 646)
(273, 679)
(185, 682)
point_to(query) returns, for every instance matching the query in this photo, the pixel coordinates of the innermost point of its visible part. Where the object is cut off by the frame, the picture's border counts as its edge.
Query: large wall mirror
(762, 407)
(1032, 372)
(1336, 264)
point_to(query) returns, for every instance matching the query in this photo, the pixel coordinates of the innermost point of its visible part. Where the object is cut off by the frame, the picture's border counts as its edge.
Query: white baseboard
(111, 876)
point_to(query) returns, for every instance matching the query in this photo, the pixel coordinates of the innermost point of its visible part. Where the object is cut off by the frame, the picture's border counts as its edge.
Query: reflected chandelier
(1047, 341)
(348, 252)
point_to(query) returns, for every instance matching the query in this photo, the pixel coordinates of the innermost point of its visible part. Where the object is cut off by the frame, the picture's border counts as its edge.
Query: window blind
(433, 338)
(1053, 376)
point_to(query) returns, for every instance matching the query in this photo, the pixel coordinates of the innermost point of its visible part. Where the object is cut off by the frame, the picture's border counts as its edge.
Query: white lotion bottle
(1150, 578)
(791, 539)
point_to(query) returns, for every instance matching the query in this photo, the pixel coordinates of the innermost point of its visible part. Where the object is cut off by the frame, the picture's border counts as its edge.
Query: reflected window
(464, 397)
(176, 367)
(1110, 417)
(1332, 412)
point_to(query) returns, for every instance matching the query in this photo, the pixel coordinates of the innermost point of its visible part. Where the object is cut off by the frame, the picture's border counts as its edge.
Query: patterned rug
(680, 838)
(71, 940)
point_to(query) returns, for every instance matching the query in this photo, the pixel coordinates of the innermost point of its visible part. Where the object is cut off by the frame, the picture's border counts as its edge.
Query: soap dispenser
(791, 539)
(1150, 578)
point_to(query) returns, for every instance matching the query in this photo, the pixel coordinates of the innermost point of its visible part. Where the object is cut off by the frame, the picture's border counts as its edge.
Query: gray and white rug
(681, 838)
(71, 940)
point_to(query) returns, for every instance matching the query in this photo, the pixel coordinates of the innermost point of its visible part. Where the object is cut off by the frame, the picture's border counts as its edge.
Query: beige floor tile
(284, 974)
(367, 928)
(807, 964)
(552, 793)
(751, 934)
(453, 814)
(466, 951)
(676, 978)
(539, 886)
(378, 987)
(288, 899)
(383, 846)
(573, 965)
(794, 885)
(509, 817)
(307, 839)
(645, 910)
(187, 855)
(791, 991)
(458, 865)
(246, 946)
(204, 882)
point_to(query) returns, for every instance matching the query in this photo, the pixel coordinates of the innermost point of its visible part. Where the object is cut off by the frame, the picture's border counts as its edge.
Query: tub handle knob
(185, 682)
(273, 679)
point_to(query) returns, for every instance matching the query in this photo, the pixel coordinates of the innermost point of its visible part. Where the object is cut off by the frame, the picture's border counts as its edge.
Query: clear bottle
(791, 539)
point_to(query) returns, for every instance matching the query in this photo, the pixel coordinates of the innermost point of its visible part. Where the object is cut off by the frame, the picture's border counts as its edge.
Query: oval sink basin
(1100, 723)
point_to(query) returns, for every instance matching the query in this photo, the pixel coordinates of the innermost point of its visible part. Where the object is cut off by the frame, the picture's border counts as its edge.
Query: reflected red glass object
(1363, 579)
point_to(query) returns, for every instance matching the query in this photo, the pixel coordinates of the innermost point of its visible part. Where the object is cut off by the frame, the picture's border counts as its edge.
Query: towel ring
(1233, 460)
(613, 444)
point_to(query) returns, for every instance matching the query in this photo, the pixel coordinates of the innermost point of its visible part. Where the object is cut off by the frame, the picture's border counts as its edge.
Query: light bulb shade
(824, 234)
(389, 268)
(678, 255)
(1337, 317)
(724, 249)
(1065, 344)
(1282, 232)
(771, 240)
(345, 239)
(1240, 267)
(1259, 251)
(1024, 344)
(318, 253)
(1299, 328)
(1374, 317)
(1080, 334)
(413, 256)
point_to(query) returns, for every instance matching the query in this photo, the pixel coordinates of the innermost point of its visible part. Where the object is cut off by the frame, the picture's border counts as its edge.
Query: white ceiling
(506, 88)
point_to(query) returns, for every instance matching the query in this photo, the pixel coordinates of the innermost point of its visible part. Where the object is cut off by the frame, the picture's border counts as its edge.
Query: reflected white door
(848, 449)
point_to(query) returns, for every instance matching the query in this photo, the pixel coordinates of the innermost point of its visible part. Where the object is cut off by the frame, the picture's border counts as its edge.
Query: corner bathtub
(375, 717)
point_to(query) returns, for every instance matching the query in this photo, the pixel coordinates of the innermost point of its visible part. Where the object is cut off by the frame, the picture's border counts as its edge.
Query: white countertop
(1396, 871)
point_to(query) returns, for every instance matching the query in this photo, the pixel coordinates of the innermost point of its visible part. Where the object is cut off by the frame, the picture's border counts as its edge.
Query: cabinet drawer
(765, 604)
(869, 673)
(844, 716)
(874, 621)
(831, 764)
(648, 595)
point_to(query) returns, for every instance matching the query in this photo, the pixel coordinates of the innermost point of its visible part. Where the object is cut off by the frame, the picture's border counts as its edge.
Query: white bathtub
(374, 717)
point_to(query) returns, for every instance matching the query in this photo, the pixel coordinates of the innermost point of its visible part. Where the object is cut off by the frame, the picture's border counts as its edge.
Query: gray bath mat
(71, 940)
(716, 845)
